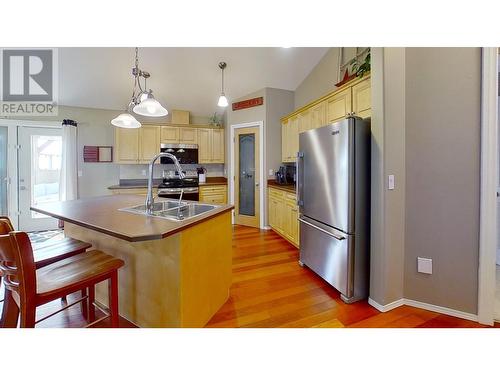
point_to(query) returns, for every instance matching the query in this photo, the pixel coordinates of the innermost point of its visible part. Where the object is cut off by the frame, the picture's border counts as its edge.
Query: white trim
(388, 307)
(489, 179)
(441, 310)
(424, 306)
(263, 182)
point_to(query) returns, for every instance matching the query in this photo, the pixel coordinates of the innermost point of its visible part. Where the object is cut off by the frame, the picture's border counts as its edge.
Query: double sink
(172, 209)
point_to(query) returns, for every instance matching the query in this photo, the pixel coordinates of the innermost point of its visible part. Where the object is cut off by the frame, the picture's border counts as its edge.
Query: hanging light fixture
(222, 99)
(142, 101)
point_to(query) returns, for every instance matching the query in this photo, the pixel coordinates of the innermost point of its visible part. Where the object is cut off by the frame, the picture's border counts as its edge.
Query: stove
(172, 186)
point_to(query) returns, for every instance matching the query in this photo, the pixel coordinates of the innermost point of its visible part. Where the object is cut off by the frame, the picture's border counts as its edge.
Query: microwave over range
(185, 153)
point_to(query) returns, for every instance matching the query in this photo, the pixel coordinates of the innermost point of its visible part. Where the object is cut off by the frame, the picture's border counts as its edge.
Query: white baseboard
(266, 227)
(389, 306)
(423, 305)
(441, 310)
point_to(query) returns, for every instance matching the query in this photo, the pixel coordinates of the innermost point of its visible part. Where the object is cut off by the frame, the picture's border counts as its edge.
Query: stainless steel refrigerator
(333, 194)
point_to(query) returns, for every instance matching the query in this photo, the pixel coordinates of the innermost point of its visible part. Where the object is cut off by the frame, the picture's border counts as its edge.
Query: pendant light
(222, 99)
(142, 101)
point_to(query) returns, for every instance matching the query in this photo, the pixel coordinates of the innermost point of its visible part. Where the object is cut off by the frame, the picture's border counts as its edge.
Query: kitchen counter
(101, 214)
(176, 274)
(143, 184)
(289, 188)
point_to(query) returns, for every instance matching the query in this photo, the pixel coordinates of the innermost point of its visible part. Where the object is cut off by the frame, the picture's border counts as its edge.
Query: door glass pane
(3, 170)
(247, 174)
(45, 169)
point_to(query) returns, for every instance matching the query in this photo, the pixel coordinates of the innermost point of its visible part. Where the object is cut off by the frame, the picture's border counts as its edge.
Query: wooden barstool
(47, 253)
(30, 287)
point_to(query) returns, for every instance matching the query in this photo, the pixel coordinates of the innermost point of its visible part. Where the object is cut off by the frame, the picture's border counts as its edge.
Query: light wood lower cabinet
(216, 194)
(284, 214)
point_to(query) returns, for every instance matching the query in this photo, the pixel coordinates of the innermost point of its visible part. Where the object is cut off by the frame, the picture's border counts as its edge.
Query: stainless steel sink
(171, 210)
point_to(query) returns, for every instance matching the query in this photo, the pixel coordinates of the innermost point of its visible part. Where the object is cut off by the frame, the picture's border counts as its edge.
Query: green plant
(364, 67)
(215, 120)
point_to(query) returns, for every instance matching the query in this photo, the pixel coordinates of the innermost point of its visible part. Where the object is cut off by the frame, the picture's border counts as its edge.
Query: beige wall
(442, 174)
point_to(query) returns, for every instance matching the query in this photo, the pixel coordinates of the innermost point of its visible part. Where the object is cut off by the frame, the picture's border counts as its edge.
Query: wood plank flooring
(270, 289)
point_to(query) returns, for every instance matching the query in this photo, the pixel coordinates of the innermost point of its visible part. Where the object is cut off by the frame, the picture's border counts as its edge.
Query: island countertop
(102, 214)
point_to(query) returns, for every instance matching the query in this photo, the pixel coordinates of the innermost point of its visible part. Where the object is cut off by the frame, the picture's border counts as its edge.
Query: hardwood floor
(270, 289)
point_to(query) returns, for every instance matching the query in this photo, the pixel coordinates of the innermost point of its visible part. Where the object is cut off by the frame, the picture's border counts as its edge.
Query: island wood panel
(178, 281)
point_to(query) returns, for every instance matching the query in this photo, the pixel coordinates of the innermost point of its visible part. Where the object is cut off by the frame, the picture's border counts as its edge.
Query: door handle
(340, 238)
(22, 187)
(256, 184)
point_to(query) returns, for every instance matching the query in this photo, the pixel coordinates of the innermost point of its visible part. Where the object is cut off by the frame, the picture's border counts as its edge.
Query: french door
(39, 166)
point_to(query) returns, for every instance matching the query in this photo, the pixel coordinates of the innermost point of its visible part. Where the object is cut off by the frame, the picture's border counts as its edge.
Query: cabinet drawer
(215, 189)
(290, 197)
(276, 193)
(214, 198)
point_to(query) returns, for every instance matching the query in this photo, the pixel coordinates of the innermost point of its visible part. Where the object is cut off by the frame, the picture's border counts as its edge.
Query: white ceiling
(181, 78)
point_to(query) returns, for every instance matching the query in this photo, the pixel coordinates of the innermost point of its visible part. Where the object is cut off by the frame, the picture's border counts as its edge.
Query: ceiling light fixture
(142, 101)
(222, 99)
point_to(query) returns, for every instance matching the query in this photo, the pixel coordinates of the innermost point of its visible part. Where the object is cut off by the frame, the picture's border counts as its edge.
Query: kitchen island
(176, 273)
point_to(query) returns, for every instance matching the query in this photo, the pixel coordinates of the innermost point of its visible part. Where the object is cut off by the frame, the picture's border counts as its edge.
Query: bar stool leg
(28, 313)
(113, 298)
(91, 316)
(83, 304)
(10, 311)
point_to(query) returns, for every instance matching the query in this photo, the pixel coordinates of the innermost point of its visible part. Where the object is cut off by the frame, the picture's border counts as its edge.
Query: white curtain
(68, 188)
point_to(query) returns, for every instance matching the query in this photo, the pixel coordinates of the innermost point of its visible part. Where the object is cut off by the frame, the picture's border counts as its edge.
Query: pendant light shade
(150, 107)
(222, 99)
(126, 120)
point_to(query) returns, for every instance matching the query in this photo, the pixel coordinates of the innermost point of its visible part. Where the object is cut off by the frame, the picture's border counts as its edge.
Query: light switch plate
(144, 173)
(390, 182)
(271, 172)
(80, 173)
(424, 265)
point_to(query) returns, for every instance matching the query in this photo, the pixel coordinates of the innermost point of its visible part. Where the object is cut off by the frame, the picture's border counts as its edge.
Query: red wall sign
(248, 103)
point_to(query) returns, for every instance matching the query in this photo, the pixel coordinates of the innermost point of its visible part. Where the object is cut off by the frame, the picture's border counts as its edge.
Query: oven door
(190, 193)
(185, 153)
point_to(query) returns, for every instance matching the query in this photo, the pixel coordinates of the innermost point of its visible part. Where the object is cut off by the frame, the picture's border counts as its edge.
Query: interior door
(3, 171)
(39, 159)
(247, 172)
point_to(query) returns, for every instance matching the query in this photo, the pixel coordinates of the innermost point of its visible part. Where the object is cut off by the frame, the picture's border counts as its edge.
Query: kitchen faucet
(149, 198)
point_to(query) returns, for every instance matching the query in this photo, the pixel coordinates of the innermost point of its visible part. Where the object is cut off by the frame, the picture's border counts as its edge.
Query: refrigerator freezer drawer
(328, 252)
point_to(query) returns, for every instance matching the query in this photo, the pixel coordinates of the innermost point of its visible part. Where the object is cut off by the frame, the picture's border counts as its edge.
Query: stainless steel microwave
(185, 153)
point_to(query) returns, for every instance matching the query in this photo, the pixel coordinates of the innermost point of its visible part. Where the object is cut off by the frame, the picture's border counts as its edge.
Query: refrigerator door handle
(300, 159)
(340, 238)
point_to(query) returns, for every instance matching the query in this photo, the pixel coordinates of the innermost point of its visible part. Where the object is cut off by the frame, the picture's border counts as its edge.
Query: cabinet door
(318, 117)
(187, 135)
(304, 121)
(204, 146)
(169, 134)
(280, 216)
(149, 142)
(127, 145)
(362, 99)
(339, 105)
(294, 224)
(284, 141)
(272, 212)
(293, 138)
(217, 145)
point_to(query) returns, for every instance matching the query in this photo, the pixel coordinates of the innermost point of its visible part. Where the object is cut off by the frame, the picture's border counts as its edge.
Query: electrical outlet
(271, 172)
(143, 172)
(80, 173)
(424, 265)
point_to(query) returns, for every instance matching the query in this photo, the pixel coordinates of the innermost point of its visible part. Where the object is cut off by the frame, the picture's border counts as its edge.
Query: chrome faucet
(149, 198)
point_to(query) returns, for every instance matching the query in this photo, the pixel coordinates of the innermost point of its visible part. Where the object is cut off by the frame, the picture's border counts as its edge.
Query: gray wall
(442, 174)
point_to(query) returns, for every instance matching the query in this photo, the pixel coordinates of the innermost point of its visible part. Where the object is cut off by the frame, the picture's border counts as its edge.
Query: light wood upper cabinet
(149, 142)
(294, 138)
(169, 134)
(338, 106)
(284, 141)
(318, 116)
(126, 146)
(211, 146)
(362, 99)
(304, 121)
(217, 145)
(188, 135)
